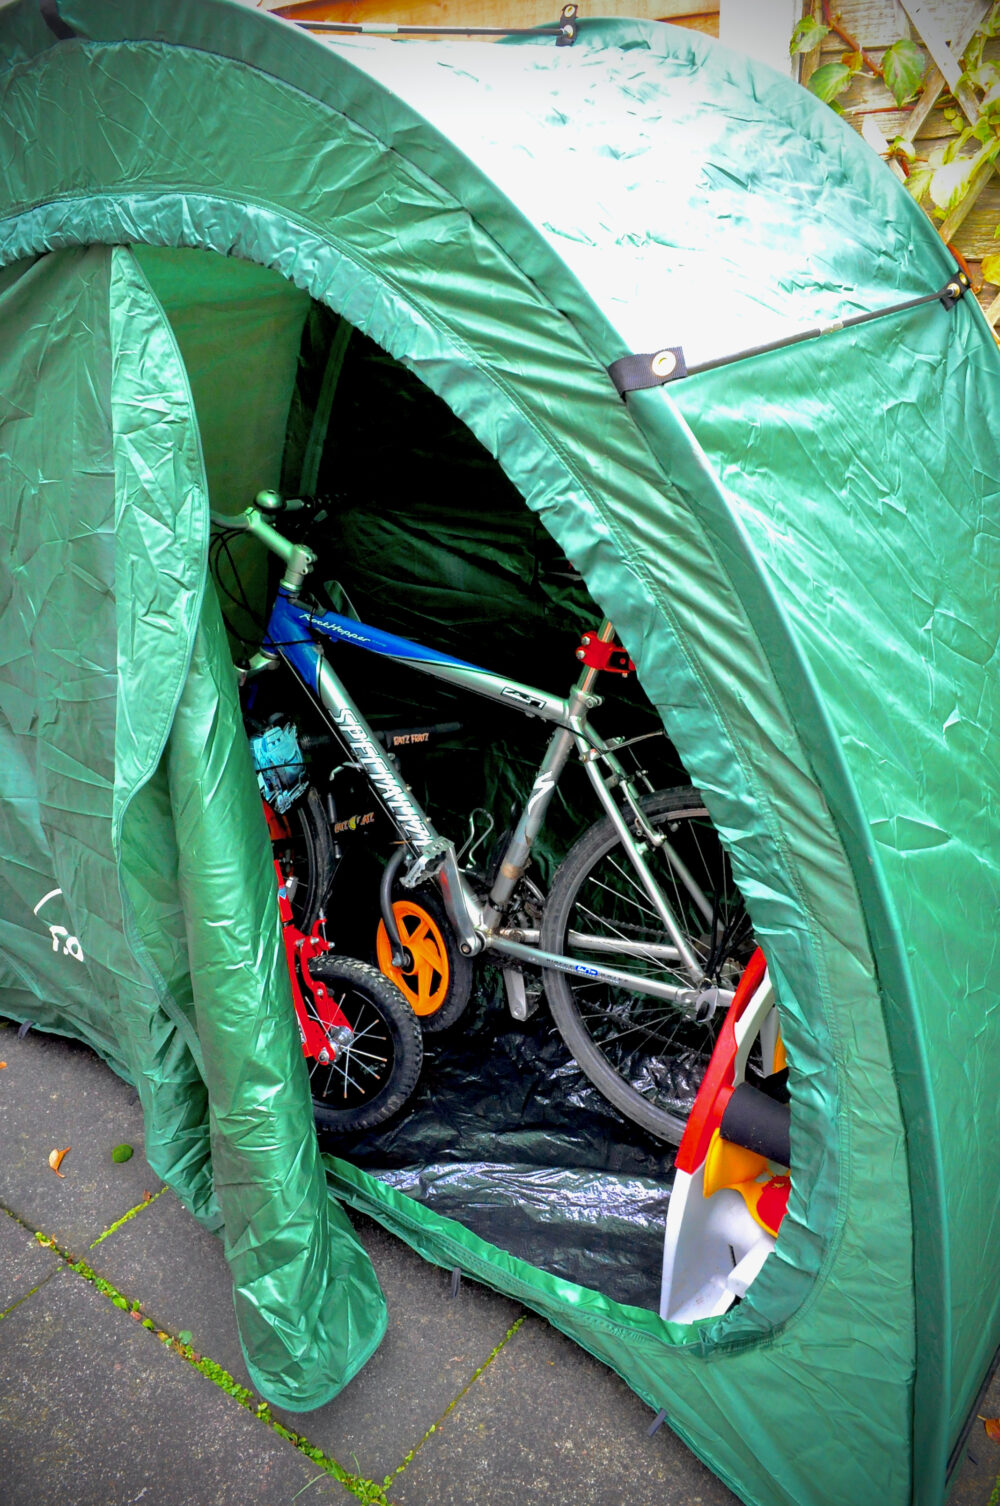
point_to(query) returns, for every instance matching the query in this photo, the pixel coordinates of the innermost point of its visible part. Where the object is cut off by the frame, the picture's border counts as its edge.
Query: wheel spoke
(646, 1056)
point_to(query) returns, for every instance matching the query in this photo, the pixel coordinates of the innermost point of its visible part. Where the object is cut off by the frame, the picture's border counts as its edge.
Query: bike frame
(293, 633)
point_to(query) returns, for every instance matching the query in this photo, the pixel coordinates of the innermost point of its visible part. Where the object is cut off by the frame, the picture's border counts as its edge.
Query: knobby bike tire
(373, 1076)
(644, 1055)
(307, 857)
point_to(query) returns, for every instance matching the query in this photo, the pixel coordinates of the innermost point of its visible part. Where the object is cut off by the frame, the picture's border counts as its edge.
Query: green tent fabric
(799, 551)
(121, 726)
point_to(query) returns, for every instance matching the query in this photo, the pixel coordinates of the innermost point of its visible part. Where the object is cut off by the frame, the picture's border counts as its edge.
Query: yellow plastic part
(731, 1166)
(780, 1059)
(728, 1165)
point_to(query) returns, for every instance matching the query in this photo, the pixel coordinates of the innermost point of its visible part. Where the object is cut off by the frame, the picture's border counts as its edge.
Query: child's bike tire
(374, 1075)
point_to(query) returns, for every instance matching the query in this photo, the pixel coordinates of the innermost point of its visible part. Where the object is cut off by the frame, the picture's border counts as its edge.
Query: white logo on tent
(71, 946)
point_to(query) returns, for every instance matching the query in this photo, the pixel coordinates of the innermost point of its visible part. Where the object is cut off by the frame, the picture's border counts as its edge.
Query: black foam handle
(757, 1122)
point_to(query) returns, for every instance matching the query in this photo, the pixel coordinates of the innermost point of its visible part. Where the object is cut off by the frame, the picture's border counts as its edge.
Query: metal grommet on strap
(664, 364)
(954, 289)
(567, 26)
(633, 373)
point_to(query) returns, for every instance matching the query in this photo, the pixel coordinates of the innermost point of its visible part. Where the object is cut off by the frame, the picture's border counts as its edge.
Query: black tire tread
(683, 800)
(331, 968)
(461, 967)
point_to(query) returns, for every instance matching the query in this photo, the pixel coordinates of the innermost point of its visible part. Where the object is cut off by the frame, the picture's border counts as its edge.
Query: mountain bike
(642, 936)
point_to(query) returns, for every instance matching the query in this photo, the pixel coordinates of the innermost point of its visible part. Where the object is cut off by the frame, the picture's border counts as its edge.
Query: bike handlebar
(298, 558)
(265, 504)
(236, 522)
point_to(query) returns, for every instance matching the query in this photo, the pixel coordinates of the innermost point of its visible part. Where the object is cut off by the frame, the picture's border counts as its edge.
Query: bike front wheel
(645, 1055)
(439, 982)
(373, 1075)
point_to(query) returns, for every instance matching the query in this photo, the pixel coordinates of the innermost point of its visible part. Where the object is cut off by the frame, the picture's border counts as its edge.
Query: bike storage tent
(799, 547)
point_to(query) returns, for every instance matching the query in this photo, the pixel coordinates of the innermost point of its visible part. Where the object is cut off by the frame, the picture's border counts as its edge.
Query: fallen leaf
(55, 1160)
(992, 1426)
(2, 1065)
(185, 1336)
(122, 1153)
(147, 1197)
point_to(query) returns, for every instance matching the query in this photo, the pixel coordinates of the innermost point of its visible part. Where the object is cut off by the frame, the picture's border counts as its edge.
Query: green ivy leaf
(974, 52)
(830, 80)
(904, 66)
(919, 182)
(950, 183)
(122, 1153)
(985, 76)
(807, 36)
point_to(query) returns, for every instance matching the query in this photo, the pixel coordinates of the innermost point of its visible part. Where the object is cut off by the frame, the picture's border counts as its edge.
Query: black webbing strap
(54, 21)
(633, 373)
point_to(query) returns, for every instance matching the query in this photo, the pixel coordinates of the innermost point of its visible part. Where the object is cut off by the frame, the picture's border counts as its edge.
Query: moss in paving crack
(368, 1491)
(23, 1298)
(126, 1216)
(408, 1459)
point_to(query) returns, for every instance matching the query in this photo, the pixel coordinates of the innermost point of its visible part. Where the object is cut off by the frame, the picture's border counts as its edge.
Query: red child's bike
(361, 1040)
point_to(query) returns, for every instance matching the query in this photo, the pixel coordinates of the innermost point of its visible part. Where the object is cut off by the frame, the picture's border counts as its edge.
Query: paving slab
(547, 1422)
(24, 1265)
(95, 1411)
(56, 1093)
(432, 1348)
(979, 1471)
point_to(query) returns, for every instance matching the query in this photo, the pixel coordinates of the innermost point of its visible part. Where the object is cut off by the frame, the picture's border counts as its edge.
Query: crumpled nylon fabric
(645, 188)
(119, 714)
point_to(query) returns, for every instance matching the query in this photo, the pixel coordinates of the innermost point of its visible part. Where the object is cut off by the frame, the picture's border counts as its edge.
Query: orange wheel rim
(425, 986)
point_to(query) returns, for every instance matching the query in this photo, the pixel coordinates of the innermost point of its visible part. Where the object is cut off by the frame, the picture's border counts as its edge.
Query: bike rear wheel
(373, 1075)
(645, 1055)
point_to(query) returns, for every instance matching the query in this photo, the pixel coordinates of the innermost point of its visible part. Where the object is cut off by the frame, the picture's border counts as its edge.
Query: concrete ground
(467, 1400)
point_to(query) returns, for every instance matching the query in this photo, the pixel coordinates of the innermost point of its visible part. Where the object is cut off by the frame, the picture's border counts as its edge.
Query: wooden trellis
(943, 31)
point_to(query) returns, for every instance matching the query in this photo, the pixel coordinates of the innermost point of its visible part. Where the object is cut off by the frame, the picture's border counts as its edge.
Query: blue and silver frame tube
(288, 635)
(500, 688)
